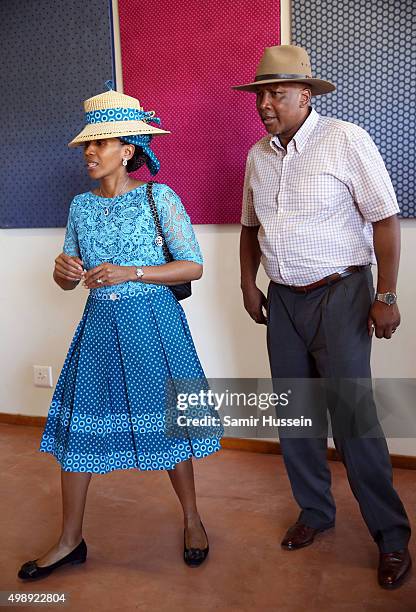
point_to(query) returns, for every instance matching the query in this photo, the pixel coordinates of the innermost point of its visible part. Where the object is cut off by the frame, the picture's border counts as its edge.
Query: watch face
(390, 298)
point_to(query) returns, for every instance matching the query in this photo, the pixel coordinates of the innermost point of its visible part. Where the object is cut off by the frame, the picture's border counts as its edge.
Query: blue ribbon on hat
(120, 114)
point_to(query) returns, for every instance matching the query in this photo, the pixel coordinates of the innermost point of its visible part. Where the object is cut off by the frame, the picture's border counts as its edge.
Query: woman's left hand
(107, 274)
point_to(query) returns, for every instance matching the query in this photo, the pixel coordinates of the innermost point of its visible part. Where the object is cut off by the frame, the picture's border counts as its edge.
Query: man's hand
(383, 319)
(254, 301)
(107, 274)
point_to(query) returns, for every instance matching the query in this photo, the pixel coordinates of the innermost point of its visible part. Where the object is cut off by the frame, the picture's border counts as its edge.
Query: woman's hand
(107, 274)
(68, 271)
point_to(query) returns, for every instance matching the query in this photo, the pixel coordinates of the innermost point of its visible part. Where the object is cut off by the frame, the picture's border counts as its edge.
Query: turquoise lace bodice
(121, 231)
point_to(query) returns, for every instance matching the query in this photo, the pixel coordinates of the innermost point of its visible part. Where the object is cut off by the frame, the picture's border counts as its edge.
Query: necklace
(106, 209)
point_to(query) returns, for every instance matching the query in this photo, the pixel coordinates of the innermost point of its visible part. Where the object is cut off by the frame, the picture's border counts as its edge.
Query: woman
(109, 407)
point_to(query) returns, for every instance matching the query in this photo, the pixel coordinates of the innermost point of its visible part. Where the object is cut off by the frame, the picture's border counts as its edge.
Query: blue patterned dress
(108, 410)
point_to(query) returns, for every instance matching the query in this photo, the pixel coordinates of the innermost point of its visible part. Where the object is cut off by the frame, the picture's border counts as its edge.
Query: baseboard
(407, 462)
(22, 419)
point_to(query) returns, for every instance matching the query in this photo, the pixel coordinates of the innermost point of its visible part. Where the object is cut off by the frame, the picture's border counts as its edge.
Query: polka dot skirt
(108, 411)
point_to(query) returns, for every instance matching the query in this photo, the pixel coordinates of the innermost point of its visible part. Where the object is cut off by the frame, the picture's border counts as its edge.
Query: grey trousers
(324, 334)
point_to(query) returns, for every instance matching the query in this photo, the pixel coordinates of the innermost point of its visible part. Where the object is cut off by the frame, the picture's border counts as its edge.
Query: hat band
(281, 75)
(118, 114)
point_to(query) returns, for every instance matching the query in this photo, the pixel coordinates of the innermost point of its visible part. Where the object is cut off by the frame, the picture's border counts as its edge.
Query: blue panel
(367, 49)
(54, 55)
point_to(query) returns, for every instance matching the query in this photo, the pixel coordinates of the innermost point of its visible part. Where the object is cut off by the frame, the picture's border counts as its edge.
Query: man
(318, 209)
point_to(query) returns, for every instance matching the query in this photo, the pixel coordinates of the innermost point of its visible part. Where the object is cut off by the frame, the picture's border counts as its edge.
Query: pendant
(106, 211)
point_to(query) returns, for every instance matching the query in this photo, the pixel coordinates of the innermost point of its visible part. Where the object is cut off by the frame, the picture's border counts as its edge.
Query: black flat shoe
(31, 571)
(195, 556)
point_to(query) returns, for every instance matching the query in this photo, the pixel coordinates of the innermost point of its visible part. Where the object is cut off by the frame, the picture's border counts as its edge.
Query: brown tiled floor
(133, 529)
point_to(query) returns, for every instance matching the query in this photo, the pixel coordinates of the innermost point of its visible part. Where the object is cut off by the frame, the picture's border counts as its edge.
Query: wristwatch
(389, 297)
(139, 273)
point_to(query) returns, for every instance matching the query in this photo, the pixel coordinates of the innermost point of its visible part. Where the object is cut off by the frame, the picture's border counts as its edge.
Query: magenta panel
(181, 59)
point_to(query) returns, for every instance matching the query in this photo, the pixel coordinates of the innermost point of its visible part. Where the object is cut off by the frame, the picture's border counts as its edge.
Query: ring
(99, 280)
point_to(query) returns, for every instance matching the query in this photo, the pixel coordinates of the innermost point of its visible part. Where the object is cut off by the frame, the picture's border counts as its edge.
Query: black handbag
(182, 290)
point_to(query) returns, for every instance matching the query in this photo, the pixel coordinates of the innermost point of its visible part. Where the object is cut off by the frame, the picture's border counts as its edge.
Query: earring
(124, 162)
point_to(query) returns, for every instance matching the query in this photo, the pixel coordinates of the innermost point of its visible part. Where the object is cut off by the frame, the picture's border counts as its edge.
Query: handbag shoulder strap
(160, 235)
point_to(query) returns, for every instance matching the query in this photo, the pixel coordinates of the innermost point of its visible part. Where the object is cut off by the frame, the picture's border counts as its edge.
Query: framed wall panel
(367, 49)
(181, 61)
(53, 56)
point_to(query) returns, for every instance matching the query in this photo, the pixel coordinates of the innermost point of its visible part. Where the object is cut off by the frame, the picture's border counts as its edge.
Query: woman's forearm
(170, 273)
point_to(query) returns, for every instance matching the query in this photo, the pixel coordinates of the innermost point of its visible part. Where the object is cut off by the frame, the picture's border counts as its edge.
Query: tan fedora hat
(287, 63)
(113, 114)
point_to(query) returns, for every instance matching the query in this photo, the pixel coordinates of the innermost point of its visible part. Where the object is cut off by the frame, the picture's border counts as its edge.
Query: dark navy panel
(368, 50)
(54, 55)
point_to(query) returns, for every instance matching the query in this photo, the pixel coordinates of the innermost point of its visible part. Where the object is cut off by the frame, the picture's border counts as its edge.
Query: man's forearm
(386, 234)
(250, 255)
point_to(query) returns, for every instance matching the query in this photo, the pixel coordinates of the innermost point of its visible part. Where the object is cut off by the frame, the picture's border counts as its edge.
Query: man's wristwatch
(139, 273)
(389, 297)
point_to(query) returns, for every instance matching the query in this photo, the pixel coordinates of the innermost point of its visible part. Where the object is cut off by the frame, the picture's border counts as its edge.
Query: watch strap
(382, 297)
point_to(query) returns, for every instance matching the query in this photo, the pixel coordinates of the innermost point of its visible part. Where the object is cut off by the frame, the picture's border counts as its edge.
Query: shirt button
(113, 296)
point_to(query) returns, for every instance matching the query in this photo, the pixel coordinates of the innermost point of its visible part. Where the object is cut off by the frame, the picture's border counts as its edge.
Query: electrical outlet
(42, 376)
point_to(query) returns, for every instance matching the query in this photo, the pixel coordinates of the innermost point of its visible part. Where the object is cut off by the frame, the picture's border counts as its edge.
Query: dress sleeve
(177, 228)
(368, 179)
(71, 245)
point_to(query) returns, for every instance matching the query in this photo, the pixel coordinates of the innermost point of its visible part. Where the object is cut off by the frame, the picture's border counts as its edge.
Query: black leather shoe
(393, 568)
(31, 571)
(195, 556)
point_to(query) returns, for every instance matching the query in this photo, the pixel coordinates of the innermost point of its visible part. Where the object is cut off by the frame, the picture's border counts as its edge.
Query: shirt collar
(301, 137)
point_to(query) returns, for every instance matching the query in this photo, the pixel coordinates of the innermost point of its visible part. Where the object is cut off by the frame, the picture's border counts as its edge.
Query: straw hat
(287, 63)
(113, 114)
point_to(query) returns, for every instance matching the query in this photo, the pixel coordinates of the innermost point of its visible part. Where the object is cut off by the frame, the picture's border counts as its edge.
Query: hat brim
(317, 86)
(115, 129)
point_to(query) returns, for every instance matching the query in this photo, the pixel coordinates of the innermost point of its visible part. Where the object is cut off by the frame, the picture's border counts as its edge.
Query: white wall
(38, 319)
